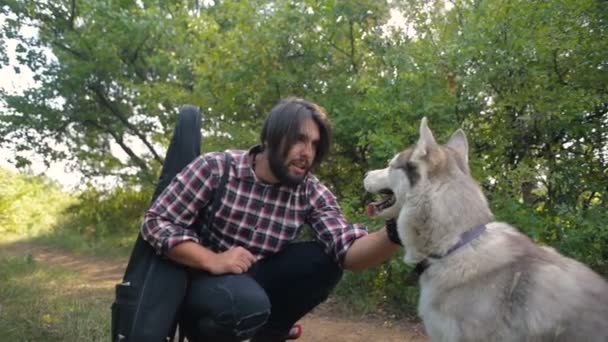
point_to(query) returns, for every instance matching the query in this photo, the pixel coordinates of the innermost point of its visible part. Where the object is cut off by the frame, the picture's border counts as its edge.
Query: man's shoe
(295, 332)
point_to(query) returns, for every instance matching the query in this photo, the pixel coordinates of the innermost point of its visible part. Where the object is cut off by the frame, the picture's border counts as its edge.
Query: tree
(119, 72)
(529, 80)
(100, 67)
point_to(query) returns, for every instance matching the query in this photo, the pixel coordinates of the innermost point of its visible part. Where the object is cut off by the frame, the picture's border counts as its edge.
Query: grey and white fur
(500, 286)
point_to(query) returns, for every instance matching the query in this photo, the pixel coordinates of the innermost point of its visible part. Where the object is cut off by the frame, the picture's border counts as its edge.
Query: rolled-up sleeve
(178, 206)
(329, 223)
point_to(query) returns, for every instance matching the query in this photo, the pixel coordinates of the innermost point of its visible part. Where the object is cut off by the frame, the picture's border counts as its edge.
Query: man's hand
(236, 260)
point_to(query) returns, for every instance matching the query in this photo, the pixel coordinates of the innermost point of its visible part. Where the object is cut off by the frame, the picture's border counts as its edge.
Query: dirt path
(321, 325)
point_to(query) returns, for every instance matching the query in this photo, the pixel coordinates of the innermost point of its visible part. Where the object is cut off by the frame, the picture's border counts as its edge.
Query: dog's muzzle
(388, 200)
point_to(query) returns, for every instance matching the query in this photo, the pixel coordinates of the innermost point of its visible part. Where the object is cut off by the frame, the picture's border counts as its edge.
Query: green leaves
(29, 205)
(527, 80)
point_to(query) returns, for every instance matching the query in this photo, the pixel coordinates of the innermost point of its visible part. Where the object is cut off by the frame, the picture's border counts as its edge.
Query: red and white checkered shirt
(260, 217)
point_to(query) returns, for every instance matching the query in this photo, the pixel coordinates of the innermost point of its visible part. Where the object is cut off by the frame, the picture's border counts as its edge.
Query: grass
(41, 302)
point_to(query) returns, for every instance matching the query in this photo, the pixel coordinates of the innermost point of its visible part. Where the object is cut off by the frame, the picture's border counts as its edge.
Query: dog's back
(506, 288)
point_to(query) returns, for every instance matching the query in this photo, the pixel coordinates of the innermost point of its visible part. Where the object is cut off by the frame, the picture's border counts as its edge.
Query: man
(250, 279)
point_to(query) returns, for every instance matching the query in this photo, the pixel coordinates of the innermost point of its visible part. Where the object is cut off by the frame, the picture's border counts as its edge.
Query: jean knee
(241, 314)
(250, 312)
(226, 328)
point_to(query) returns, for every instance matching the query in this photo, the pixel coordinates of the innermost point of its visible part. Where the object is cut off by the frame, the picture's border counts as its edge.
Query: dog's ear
(426, 141)
(458, 142)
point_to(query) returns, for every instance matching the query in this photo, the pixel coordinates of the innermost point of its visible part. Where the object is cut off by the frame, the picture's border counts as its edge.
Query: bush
(106, 222)
(577, 232)
(381, 289)
(29, 205)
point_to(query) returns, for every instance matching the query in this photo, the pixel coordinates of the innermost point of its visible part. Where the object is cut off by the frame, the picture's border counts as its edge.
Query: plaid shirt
(260, 217)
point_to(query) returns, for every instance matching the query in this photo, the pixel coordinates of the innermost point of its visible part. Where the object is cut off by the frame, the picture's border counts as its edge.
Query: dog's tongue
(371, 210)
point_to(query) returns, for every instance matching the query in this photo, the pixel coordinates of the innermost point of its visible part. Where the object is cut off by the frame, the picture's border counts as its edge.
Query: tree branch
(72, 14)
(80, 55)
(103, 100)
(560, 77)
(120, 141)
(352, 46)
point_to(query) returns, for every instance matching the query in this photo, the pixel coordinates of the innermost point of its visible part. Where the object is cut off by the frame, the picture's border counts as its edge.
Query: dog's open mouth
(388, 199)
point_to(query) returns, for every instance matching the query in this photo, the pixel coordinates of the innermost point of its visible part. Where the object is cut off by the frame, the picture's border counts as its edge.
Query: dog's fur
(500, 286)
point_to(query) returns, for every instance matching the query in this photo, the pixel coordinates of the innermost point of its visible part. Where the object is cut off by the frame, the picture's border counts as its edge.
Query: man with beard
(250, 278)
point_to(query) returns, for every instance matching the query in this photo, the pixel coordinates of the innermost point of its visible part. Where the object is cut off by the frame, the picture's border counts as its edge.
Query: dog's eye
(411, 171)
(410, 167)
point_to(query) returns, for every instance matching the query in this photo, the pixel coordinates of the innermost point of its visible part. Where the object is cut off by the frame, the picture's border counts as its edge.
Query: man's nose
(308, 150)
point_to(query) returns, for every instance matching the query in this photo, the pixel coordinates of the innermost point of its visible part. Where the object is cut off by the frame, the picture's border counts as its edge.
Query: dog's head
(428, 187)
(413, 169)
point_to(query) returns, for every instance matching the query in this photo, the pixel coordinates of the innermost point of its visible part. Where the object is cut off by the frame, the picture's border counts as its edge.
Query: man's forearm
(369, 251)
(191, 254)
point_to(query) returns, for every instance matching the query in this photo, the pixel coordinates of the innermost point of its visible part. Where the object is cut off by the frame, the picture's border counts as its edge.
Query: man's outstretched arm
(369, 251)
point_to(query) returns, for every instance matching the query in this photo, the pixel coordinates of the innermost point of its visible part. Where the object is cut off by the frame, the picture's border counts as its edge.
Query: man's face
(291, 169)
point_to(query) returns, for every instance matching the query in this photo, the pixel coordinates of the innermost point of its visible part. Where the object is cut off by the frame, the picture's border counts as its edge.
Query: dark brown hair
(284, 121)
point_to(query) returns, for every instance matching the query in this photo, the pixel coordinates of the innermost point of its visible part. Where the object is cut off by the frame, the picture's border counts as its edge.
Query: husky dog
(480, 280)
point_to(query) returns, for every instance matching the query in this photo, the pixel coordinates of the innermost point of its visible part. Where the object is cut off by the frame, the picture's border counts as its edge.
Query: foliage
(93, 221)
(575, 232)
(100, 213)
(383, 289)
(101, 222)
(29, 205)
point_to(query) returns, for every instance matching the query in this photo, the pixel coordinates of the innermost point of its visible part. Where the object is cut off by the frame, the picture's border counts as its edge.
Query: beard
(281, 171)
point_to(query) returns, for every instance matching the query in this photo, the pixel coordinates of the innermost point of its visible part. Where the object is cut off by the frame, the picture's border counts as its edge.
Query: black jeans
(263, 303)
